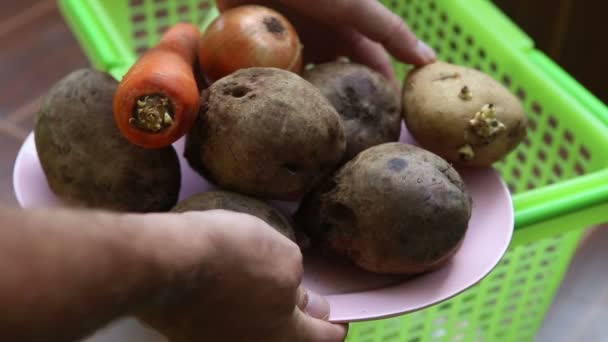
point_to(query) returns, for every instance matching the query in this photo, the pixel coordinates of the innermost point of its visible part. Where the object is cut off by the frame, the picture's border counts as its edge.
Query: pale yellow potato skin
(438, 113)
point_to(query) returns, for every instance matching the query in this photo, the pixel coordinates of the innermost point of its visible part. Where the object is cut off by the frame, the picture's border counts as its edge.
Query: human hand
(362, 30)
(235, 279)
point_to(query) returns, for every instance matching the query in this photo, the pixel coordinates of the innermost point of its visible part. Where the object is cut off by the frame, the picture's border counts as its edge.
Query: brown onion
(249, 36)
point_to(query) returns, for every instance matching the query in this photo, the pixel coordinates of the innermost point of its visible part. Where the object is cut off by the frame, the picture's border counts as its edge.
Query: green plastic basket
(559, 175)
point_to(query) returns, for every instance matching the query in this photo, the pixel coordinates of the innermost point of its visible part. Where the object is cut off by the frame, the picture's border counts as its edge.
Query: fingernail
(425, 52)
(317, 306)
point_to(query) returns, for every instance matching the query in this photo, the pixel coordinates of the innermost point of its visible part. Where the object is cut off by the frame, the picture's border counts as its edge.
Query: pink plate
(355, 295)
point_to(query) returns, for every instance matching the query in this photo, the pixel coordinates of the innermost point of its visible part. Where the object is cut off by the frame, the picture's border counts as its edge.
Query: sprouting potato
(462, 114)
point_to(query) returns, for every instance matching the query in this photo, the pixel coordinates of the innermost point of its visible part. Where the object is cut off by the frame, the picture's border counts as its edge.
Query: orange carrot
(158, 99)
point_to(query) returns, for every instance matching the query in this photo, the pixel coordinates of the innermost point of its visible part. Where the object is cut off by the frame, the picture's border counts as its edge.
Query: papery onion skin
(249, 36)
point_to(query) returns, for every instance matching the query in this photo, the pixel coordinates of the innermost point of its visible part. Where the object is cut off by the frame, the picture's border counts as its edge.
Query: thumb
(310, 329)
(313, 304)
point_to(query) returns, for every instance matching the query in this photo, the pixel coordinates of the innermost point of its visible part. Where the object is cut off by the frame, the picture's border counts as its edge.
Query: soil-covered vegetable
(394, 208)
(231, 201)
(369, 106)
(462, 114)
(265, 132)
(86, 160)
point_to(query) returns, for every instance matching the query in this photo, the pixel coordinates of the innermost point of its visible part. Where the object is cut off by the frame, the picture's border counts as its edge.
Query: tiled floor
(38, 49)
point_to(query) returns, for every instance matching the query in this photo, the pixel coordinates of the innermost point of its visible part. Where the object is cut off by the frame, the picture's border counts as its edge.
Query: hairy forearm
(64, 274)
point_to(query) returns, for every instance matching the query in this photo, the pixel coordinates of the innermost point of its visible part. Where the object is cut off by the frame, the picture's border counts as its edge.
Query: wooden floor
(38, 49)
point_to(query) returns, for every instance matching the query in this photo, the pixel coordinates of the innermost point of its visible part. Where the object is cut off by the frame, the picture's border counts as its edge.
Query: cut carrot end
(153, 113)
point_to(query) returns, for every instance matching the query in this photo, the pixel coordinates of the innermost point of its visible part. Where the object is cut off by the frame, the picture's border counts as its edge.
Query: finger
(362, 50)
(375, 21)
(312, 304)
(315, 50)
(310, 329)
(369, 17)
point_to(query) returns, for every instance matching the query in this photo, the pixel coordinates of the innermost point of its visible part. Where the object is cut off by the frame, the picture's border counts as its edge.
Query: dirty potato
(86, 160)
(393, 209)
(370, 107)
(265, 132)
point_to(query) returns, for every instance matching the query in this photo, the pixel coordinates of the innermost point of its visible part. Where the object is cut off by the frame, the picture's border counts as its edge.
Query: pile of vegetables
(261, 127)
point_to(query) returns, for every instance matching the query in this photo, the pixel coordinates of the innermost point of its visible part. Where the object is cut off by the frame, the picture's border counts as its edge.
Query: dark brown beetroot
(394, 209)
(369, 106)
(239, 203)
(267, 133)
(86, 160)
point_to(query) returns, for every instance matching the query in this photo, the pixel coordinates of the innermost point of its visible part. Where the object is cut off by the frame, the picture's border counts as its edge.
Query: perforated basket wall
(567, 138)
(508, 305)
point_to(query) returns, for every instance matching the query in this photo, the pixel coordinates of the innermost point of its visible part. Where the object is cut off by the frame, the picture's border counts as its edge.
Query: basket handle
(569, 196)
